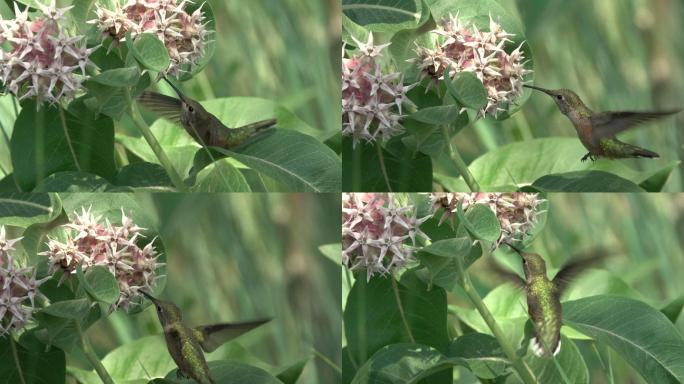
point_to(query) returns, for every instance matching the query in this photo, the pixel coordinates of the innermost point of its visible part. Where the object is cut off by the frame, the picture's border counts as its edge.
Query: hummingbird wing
(609, 124)
(572, 269)
(505, 274)
(164, 106)
(213, 336)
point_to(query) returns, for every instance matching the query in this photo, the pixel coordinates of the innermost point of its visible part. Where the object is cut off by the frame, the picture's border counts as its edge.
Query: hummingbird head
(168, 313)
(191, 110)
(533, 264)
(565, 99)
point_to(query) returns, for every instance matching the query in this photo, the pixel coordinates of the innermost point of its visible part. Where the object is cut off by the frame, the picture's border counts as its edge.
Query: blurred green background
(236, 257)
(642, 236)
(616, 54)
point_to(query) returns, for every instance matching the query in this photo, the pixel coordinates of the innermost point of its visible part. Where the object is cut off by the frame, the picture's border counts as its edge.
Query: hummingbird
(202, 126)
(543, 297)
(597, 130)
(186, 344)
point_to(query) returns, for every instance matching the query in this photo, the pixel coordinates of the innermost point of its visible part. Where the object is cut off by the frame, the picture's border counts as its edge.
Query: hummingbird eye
(191, 109)
(559, 97)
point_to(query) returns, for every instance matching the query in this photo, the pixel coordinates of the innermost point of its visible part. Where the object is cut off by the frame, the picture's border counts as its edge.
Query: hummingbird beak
(548, 92)
(514, 248)
(178, 92)
(148, 296)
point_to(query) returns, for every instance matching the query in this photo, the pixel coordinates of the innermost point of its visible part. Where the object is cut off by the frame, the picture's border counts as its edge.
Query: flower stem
(395, 288)
(381, 158)
(523, 370)
(459, 162)
(92, 357)
(156, 147)
(326, 360)
(15, 354)
(62, 118)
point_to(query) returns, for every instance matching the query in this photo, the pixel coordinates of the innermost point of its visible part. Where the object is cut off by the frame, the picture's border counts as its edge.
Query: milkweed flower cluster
(90, 242)
(42, 60)
(375, 232)
(18, 289)
(464, 48)
(372, 98)
(183, 34)
(518, 213)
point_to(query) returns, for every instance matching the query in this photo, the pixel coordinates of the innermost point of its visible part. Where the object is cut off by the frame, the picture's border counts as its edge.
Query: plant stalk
(156, 148)
(395, 288)
(15, 354)
(381, 158)
(523, 370)
(62, 119)
(92, 357)
(459, 162)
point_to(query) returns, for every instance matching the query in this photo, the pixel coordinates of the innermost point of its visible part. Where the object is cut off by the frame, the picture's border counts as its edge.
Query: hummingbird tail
(538, 349)
(640, 152)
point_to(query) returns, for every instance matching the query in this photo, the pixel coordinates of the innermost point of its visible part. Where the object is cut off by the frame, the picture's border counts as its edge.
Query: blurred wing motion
(213, 336)
(505, 274)
(572, 269)
(609, 124)
(164, 106)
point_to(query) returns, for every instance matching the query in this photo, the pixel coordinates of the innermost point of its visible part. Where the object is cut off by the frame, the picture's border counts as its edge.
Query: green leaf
(230, 372)
(83, 11)
(111, 207)
(440, 260)
(291, 374)
(150, 52)
(674, 309)
(570, 360)
(221, 176)
(640, 334)
(40, 147)
(38, 364)
(25, 209)
(119, 77)
(102, 285)
(585, 181)
(404, 363)
(144, 357)
(468, 90)
(332, 251)
(75, 309)
(61, 331)
(372, 318)
(480, 221)
(383, 15)
(73, 182)
(482, 353)
(143, 175)
(522, 163)
(440, 115)
(362, 171)
(299, 162)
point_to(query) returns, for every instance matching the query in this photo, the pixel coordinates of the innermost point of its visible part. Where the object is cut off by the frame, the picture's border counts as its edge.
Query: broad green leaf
(372, 318)
(230, 372)
(38, 364)
(482, 353)
(599, 282)
(150, 52)
(144, 357)
(404, 363)
(673, 309)
(383, 15)
(332, 251)
(61, 331)
(105, 99)
(522, 163)
(480, 221)
(440, 115)
(75, 309)
(362, 170)
(119, 77)
(143, 175)
(83, 11)
(640, 334)
(40, 148)
(73, 182)
(25, 209)
(111, 208)
(221, 176)
(290, 374)
(468, 90)
(573, 369)
(440, 260)
(102, 285)
(585, 181)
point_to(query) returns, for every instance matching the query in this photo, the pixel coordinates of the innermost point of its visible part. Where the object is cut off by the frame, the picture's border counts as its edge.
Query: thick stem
(157, 149)
(92, 357)
(15, 354)
(459, 162)
(523, 370)
(62, 118)
(381, 158)
(395, 288)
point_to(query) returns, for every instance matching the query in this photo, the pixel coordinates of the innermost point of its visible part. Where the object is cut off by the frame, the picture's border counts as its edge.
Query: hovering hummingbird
(543, 297)
(204, 127)
(186, 344)
(597, 130)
